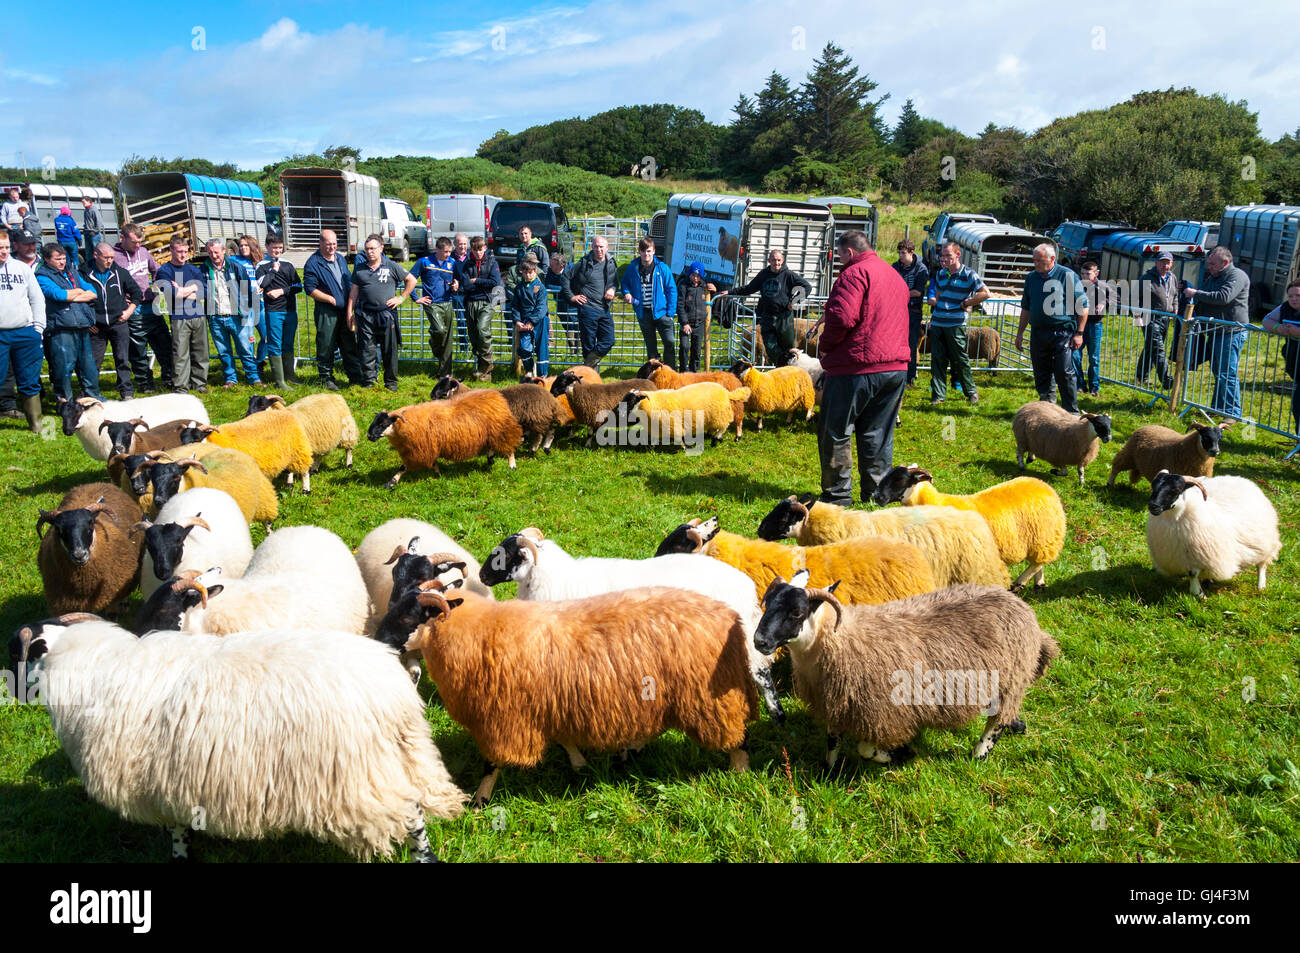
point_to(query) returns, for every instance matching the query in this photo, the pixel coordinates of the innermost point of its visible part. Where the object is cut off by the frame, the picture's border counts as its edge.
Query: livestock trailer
(466, 212)
(199, 207)
(46, 198)
(1265, 243)
(731, 235)
(849, 214)
(343, 201)
(1000, 254)
(1127, 256)
(1205, 234)
(938, 231)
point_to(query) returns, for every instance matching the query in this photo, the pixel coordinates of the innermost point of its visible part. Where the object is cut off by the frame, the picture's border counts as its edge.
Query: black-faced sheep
(326, 420)
(196, 529)
(1050, 432)
(1153, 448)
(422, 434)
(84, 415)
(89, 561)
(537, 412)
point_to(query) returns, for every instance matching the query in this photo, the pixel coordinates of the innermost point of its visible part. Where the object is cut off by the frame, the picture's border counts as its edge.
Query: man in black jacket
(593, 284)
(118, 296)
(479, 277)
(775, 285)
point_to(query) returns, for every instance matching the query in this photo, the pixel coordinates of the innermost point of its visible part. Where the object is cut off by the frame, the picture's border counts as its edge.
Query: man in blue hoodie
(68, 235)
(69, 316)
(649, 287)
(327, 281)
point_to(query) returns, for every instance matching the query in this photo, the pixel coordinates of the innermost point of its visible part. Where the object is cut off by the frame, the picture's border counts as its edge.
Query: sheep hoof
(1040, 587)
(901, 754)
(1018, 587)
(1016, 727)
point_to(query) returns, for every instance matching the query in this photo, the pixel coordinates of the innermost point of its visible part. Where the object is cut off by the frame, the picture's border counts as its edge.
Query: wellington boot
(276, 363)
(32, 411)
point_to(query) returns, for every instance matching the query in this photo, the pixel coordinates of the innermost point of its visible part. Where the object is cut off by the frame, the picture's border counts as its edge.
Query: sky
(254, 82)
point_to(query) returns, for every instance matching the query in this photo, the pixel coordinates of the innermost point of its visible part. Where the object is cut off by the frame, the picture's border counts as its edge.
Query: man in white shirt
(22, 323)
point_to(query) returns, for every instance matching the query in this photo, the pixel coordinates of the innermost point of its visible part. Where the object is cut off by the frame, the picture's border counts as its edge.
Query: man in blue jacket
(327, 281)
(438, 284)
(68, 235)
(1224, 295)
(117, 297)
(1054, 307)
(648, 285)
(69, 316)
(180, 289)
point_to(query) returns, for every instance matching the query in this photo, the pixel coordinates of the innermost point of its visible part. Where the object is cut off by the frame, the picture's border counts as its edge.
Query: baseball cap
(1165, 256)
(21, 236)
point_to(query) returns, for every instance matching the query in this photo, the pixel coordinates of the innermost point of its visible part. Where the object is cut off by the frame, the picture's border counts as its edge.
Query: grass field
(1166, 731)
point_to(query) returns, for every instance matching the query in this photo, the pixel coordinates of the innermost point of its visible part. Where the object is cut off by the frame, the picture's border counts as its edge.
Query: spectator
(917, 276)
(954, 290)
(593, 282)
(1285, 320)
(438, 284)
(1160, 296)
(460, 255)
(148, 329)
(180, 291)
(69, 316)
(863, 348)
(373, 301)
(1054, 307)
(527, 243)
(278, 281)
(1224, 296)
(649, 287)
(91, 229)
(529, 309)
(693, 314)
(26, 249)
(1103, 298)
(775, 285)
(229, 302)
(327, 281)
(10, 216)
(22, 324)
(247, 254)
(556, 278)
(68, 235)
(31, 221)
(480, 278)
(116, 298)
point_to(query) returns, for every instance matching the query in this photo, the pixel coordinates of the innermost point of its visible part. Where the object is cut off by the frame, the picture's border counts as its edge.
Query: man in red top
(864, 352)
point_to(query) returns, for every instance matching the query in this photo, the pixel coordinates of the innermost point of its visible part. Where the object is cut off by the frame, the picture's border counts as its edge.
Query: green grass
(1142, 718)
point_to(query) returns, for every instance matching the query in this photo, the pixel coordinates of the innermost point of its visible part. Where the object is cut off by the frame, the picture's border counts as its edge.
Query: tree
(1281, 170)
(914, 130)
(837, 121)
(342, 156)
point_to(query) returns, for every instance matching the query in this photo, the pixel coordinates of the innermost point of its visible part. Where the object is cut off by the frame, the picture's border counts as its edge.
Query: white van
(451, 214)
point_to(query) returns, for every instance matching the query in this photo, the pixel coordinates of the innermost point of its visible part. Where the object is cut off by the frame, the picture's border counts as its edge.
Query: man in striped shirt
(954, 290)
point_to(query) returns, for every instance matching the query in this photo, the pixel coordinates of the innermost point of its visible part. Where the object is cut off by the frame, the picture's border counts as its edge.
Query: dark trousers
(9, 391)
(117, 334)
(149, 330)
(567, 316)
(1053, 362)
(597, 327)
(915, 328)
(1153, 350)
(691, 346)
(663, 328)
(69, 352)
(778, 336)
(865, 405)
(378, 340)
(442, 333)
(332, 333)
(948, 346)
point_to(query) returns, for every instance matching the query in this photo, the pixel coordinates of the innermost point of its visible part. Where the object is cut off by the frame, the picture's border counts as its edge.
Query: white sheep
(301, 577)
(374, 559)
(196, 529)
(266, 732)
(86, 416)
(1050, 432)
(1223, 525)
(545, 572)
(812, 365)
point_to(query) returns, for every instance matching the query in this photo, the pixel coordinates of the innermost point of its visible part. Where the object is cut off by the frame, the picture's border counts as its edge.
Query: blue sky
(253, 82)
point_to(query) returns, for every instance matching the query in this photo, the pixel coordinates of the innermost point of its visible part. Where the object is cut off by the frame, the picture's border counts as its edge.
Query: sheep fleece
(520, 675)
(1025, 515)
(1052, 433)
(114, 565)
(455, 430)
(273, 438)
(327, 421)
(233, 471)
(781, 390)
(1153, 448)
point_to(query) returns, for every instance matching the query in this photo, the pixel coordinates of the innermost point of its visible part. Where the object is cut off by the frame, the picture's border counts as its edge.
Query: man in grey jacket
(1224, 295)
(593, 285)
(1160, 296)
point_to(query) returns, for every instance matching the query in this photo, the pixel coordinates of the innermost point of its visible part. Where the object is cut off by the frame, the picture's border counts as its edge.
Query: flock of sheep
(246, 685)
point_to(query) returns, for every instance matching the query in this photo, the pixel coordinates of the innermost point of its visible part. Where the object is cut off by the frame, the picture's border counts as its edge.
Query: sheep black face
(407, 614)
(165, 477)
(120, 433)
(380, 426)
(1101, 426)
(33, 640)
(260, 402)
(166, 542)
(786, 518)
(1167, 491)
(170, 601)
(626, 413)
(787, 607)
(648, 368)
(411, 568)
(71, 412)
(195, 433)
(76, 529)
(1210, 437)
(739, 368)
(689, 537)
(505, 561)
(445, 387)
(139, 477)
(562, 383)
(893, 488)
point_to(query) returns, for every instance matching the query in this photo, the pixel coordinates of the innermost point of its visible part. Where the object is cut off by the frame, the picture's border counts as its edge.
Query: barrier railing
(622, 234)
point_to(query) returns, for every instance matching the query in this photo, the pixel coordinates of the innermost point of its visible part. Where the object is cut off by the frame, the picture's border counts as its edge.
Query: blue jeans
(69, 351)
(91, 242)
(534, 344)
(230, 333)
(597, 327)
(1092, 341)
(1225, 352)
(272, 326)
(21, 349)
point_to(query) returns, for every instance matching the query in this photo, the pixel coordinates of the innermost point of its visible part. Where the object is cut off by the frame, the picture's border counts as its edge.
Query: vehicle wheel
(406, 250)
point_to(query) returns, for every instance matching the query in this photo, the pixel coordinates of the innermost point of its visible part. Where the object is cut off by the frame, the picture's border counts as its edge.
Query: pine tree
(837, 120)
(907, 134)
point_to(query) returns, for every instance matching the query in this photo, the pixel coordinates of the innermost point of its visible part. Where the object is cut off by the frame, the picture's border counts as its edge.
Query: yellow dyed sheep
(326, 419)
(687, 414)
(783, 390)
(276, 441)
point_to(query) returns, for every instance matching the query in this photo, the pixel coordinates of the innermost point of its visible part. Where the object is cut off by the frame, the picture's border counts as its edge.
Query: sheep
(480, 422)
(84, 415)
(326, 420)
(588, 400)
(606, 672)
(1025, 515)
(873, 570)
(127, 441)
(1153, 448)
(537, 412)
(301, 577)
(197, 529)
(1233, 525)
(685, 415)
(588, 375)
(884, 673)
(268, 731)
(783, 390)
(798, 358)
(545, 572)
(668, 379)
(981, 342)
(206, 464)
(276, 441)
(374, 559)
(89, 562)
(958, 545)
(1050, 432)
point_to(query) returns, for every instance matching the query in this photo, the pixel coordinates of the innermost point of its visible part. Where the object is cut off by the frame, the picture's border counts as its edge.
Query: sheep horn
(397, 416)
(825, 595)
(433, 597)
(72, 618)
(922, 474)
(142, 525)
(194, 520)
(102, 425)
(797, 506)
(694, 522)
(138, 422)
(191, 462)
(776, 581)
(528, 544)
(89, 402)
(275, 397)
(183, 582)
(145, 464)
(398, 553)
(207, 428)
(46, 516)
(1199, 485)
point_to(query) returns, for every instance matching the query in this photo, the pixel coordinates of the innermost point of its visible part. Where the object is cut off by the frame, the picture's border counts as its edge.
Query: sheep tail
(1048, 649)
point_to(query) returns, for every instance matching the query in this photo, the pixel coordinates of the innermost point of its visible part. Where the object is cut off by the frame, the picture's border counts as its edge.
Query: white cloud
(283, 34)
(23, 76)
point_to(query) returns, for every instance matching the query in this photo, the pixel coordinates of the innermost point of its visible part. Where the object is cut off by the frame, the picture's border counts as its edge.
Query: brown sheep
(163, 437)
(981, 342)
(90, 561)
(588, 400)
(1153, 448)
(669, 379)
(537, 412)
(478, 423)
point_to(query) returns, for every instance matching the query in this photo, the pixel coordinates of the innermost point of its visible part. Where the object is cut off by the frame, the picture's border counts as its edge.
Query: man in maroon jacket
(864, 352)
